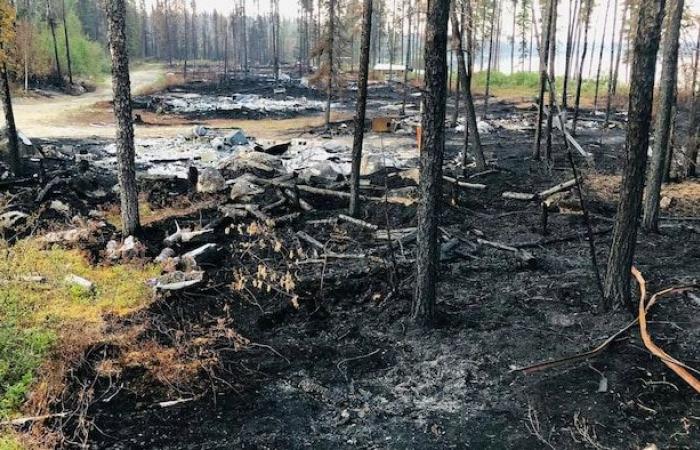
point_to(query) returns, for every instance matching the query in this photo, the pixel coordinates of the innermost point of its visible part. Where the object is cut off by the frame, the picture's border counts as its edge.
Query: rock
(75, 280)
(210, 181)
(236, 137)
(243, 188)
(129, 249)
(666, 202)
(199, 131)
(59, 206)
(9, 219)
(165, 254)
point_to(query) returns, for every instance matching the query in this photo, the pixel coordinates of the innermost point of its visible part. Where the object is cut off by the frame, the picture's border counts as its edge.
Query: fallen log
(523, 255)
(201, 254)
(358, 222)
(464, 184)
(186, 236)
(524, 196)
(309, 239)
(177, 281)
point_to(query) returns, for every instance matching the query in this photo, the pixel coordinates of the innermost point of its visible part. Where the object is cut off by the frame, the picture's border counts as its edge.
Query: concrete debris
(210, 181)
(195, 103)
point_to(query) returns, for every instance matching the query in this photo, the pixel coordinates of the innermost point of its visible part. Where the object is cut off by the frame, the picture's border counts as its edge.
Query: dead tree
(584, 51)
(65, 33)
(646, 46)
(693, 139)
(10, 127)
(600, 57)
(329, 49)
(361, 108)
(544, 59)
(275, 5)
(431, 157)
(667, 100)
(121, 87)
(52, 25)
(618, 57)
(408, 58)
(465, 82)
(573, 17)
(552, 56)
(489, 64)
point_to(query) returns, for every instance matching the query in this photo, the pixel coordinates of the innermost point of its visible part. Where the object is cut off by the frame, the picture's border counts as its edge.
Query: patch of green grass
(34, 315)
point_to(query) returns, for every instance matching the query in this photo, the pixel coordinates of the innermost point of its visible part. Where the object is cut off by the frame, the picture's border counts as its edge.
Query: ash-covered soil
(344, 368)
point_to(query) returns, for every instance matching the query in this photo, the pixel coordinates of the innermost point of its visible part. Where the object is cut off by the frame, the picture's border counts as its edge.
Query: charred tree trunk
(646, 45)
(431, 157)
(600, 57)
(544, 60)
(52, 25)
(275, 38)
(579, 80)
(465, 80)
(618, 57)
(489, 64)
(567, 56)
(662, 132)
(361, 108)
(121, 86)
(331, 35)
(13, 141)
(408, 59)
(65, 33)
(552, 100)
(608, 100)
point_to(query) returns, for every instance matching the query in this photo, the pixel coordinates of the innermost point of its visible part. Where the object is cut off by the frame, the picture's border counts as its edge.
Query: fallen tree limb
(677, 366)
(464, 184)
(358, 222)
(524, 196)
(24, 420)
(523, 255)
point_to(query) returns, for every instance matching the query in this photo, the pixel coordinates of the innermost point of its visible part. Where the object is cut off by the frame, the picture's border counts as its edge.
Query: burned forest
(375, 224)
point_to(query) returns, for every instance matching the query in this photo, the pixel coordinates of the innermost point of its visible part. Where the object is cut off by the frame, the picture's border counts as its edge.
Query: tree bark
(646, 45)
(121, 86)
(65, 33)
(600, 57)
(361, 108)
(662, 133)
(331, 35)
(13, 141)
(52, 25)
(431, 158)
(552, 57)
(544, 59)
(496, 4)
(465, 81)
(408, 58)
(579, 80)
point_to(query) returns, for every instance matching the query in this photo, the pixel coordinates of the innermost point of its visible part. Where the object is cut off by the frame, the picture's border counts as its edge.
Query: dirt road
(69, 116)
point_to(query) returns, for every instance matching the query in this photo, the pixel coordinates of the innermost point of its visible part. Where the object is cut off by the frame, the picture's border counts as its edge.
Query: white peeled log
(186, 236)
(75, 280)
(200, 254)
(176, 281)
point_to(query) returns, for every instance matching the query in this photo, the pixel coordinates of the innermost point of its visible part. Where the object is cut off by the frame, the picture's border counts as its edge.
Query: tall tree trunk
(646, 45)
(552, 56)
(567, 56)
(512, 38)
(619, 46)
(490, 59)
(13, 142)
(52, 25)
(662, 132)
(579, 80)
(275, 37)
(693, 139)
(121, 86)
(544, 60)
(361, 108)
(408, 59)
(608, 101)
(431, 158)
(465, 79)
(65, 33)
(331, 36)
(600, 56)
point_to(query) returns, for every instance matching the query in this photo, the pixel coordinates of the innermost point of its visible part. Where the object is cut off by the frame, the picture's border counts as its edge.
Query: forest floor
(334, 362)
